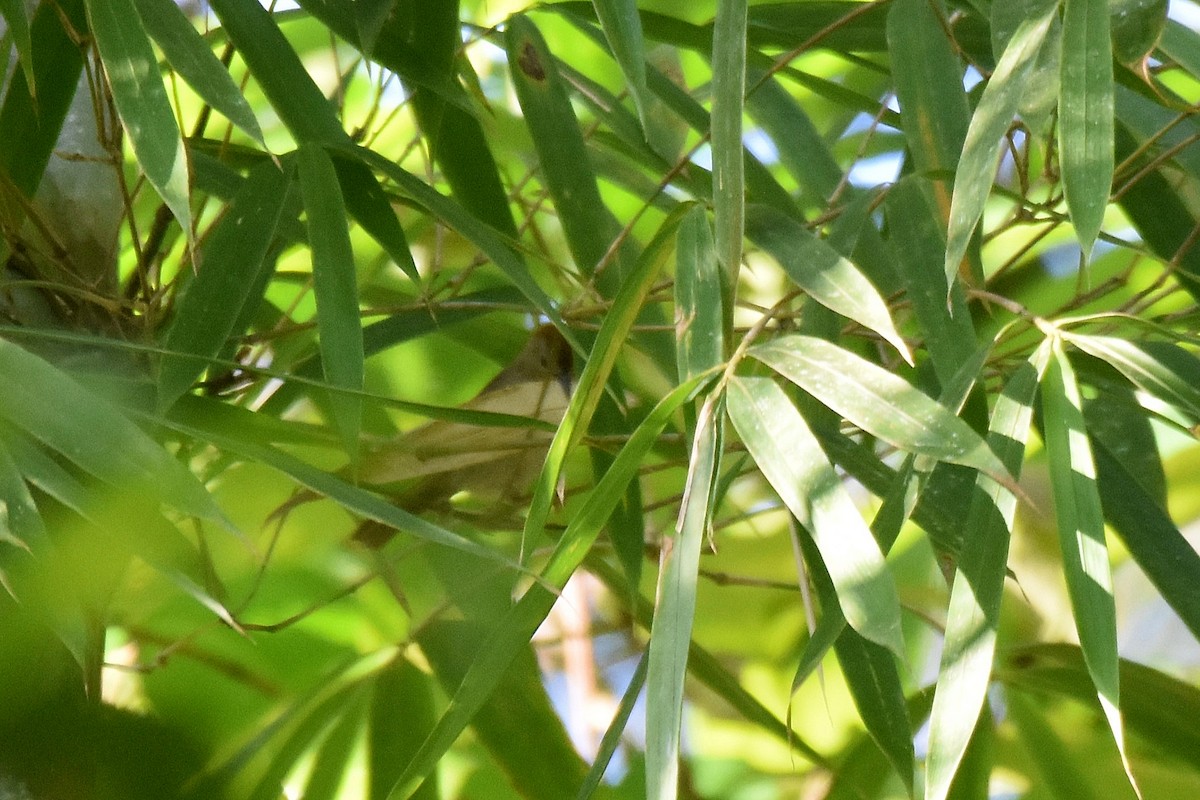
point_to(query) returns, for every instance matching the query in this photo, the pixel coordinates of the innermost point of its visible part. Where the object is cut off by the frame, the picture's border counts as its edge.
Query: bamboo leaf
(671, 631)
(141, 101)
(589, 226)
(517, 626)
(1161, 369)
(790, 457)
(929, 86)
(336, 288)
(623, 29)
(1085, 116)
(869, 668)
(29, 125)
(1136, 27)
(1080, 521)
(729, 88)
(1154, 541)
(93, 434)
(974, 614)
(188, 54)
(818, 269)
(230, 268)
(16, 16)
(699, 327)
(981, 150)
(879, 402)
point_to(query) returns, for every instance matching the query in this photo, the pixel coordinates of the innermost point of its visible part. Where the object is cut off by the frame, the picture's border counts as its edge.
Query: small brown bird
(490, 466)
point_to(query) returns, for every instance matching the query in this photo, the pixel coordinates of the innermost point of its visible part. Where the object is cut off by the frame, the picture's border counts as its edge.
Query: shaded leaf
(193, 60)
(141, 101)
(1085, 116)
(336, 288)
(234, 254)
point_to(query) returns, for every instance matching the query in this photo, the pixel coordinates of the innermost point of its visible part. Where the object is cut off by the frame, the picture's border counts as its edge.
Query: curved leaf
(791, 458)
(819, 270)
(879, 402)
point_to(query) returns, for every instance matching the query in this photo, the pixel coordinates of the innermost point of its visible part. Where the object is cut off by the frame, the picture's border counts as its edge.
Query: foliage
(873, 473)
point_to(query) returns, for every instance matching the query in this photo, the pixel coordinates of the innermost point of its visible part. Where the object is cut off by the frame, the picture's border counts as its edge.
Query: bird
(428, 468)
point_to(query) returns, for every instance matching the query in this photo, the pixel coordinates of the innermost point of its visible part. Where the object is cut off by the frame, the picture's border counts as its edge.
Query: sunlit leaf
(973, 618)
(790, 457)
(818, 269)
(878, 401)
(1080, 521)
(193, 59)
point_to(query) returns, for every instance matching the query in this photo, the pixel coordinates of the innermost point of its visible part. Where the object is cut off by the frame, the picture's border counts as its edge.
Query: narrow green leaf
(981, 150)
(612, 736)
(1136, 28)
(16, 16)
(424, 49)
(728, 90)
(802, 150)
(1040, 97)
(188, 54)
(21, 525)
(818, 269)
(878, 695)
(336, 289)
(465, 224)
(353, 498)
(699, 327)
(229, 268)
(310, 117)
(671, 632)
(623, 28)
(1163, 370)
(29, 126)
(566, 168)
(916, 246)
(1154, 541)
(401, 707)
(879, 402)
(369, 17)
(869, 669)
(974, 614)
(90, 432)
(332, 760)
(793, 462)
(1079, 516)
(929, 87)
(588, 392)
(540, 766)
(519, 624)
(1085, 116)
(710, 672)
(141, 101)
(1116, 419)
(1159, 708)
(1059, 771)
(372, 208)
(277, 67)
